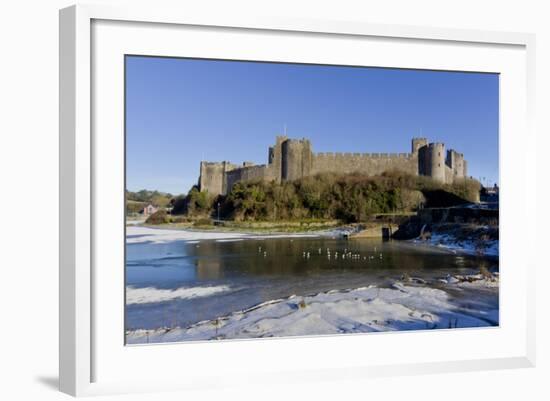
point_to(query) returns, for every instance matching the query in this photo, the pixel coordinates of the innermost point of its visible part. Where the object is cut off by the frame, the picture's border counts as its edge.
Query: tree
(348, 197)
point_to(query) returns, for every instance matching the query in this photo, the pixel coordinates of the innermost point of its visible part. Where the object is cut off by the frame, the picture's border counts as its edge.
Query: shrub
(179, 219)
(411, 199)
(349, 197)
(203, 222)
(134, 207)
(485, 273)
(159, 217)
(195, 203)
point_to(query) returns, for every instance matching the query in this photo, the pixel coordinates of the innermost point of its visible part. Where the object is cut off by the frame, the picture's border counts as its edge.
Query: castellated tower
(455, 161)
(418, 143)
(275, 158)
(296, 159)
(436, 164)
(419, 150)
(213, 176)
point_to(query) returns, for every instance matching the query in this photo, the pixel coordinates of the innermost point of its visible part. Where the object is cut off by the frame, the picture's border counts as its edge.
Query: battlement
(290, 159)
(363, 155)
(249, 167)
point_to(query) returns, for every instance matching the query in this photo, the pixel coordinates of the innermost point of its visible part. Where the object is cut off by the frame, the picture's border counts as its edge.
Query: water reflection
(261, 270)
(209, 268)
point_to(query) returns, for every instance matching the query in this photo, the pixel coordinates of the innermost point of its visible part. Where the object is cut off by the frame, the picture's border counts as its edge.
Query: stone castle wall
(249, 173)
(367, 163)
(291, 159)
(213, 176)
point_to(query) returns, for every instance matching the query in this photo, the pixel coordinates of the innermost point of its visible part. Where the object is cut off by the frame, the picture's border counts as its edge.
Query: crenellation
(291, 159)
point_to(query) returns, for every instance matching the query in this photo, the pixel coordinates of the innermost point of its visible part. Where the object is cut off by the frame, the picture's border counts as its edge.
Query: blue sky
(179, 111)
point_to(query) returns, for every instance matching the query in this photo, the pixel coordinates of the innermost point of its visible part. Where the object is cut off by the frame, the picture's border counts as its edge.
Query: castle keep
(290, 159)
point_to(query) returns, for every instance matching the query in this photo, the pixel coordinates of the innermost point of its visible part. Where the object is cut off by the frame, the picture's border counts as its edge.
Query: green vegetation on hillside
(134, 207)
(144, 197)
(349, 198)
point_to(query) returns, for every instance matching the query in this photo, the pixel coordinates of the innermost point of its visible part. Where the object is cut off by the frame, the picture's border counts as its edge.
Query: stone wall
(213, 176)
(458, 215)
(248, 173)
(449, 174)
(365, 163)
(455, 161)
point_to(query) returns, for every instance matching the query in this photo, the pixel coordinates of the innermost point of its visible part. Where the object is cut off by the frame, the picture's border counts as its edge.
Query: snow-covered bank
(134, 222)
(151, 295)
(139, 234)
(367, 309)
(470, 247)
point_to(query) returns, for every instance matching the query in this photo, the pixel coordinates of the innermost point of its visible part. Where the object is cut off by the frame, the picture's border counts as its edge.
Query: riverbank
(139, 234)
(449, 238)
(478, 240)
(249, 227)
(409, 304)
(355, 285)
(489, 248)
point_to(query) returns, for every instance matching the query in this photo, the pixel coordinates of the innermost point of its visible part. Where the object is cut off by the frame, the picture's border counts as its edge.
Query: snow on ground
(367, 309)
(286, 235)
(402, 307)
(138, 234)
(134, 222)
(151, 294)
(450, 243)
(477, 281)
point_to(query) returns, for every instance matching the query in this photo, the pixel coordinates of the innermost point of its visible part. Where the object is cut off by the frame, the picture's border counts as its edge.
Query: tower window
(438, 164)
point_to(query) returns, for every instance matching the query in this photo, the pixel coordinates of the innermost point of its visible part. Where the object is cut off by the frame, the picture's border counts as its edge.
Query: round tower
(292, 151)
(418, 143)
(437, 161)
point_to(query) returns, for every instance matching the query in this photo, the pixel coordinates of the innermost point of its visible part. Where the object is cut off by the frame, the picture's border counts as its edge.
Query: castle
(290, 159)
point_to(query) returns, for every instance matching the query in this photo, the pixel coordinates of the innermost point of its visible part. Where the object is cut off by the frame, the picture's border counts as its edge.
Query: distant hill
(156, 198)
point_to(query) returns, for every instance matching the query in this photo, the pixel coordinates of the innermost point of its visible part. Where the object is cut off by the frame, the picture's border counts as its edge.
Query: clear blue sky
(179, 111)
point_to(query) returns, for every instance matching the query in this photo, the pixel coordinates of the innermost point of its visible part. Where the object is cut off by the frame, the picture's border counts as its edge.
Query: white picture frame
(85, 353)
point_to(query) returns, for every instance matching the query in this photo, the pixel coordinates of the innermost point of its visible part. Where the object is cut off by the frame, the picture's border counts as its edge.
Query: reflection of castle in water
(291, 159)
(231, 260)
(209, 268)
